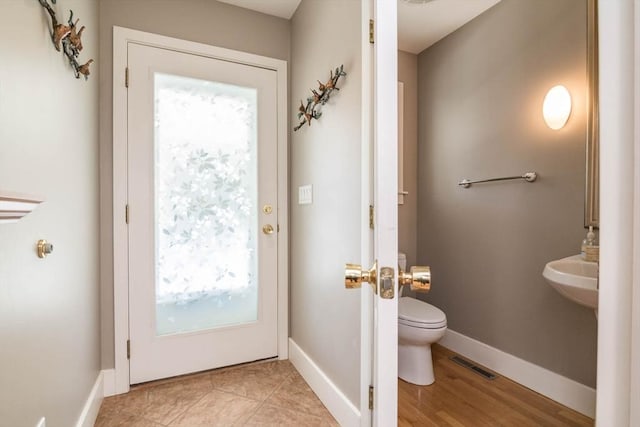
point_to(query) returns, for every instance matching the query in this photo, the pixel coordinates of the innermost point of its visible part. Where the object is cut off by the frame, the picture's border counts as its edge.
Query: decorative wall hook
(310, 110)
(68, 38)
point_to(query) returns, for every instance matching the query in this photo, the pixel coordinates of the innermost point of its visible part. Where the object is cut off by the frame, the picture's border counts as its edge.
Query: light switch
(305, 195)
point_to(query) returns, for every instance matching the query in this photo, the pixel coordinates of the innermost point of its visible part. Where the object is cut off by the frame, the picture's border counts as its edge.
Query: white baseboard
(336, 402)
(109, 379)
(563, 390)
(92, 405)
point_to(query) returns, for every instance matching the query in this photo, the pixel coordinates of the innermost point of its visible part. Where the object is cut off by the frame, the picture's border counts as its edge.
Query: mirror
(592, 188)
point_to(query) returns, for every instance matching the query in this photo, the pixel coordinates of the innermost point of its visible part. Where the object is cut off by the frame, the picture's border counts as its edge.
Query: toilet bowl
(419, 325)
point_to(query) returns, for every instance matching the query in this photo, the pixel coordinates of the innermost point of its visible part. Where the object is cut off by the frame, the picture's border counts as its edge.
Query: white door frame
(634, 375)
(618, 398)
(121, 38)
(366, 244)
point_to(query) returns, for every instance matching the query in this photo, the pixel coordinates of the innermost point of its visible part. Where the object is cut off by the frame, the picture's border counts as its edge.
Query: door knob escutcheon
(418, 279)
(354, 276)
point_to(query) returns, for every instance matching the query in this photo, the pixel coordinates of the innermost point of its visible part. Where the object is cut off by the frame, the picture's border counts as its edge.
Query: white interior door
(202, 197)
(380, 176)
(385, 189)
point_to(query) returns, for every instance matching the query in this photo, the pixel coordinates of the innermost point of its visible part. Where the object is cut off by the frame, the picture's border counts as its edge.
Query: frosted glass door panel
(201, 163)
(206, 204)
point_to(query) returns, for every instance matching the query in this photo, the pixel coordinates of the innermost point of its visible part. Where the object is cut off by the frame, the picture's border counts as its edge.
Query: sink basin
(575, 278)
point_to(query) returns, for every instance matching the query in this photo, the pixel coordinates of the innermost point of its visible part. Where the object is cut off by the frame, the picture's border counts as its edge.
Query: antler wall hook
(68, 38)
(318, 97)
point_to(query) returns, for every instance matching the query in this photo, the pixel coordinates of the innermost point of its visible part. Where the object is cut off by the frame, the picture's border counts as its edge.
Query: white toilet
(419, 325)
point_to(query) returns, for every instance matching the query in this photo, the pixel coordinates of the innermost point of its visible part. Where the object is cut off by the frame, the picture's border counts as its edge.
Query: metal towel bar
(528, 176)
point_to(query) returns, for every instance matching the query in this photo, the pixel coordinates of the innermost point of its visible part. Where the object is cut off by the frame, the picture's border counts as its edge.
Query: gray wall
(325, 318)
(49, 310)
(408, 212)
(204, 21)
(480, 98)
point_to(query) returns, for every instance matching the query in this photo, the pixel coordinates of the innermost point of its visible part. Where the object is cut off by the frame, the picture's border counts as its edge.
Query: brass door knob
(354, 276)
(267, 229)
(418, 279)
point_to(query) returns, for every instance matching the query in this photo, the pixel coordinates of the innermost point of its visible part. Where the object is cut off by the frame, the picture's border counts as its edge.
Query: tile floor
(259, 394)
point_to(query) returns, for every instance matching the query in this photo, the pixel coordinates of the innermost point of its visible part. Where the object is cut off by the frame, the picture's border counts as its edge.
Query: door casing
(121, 38)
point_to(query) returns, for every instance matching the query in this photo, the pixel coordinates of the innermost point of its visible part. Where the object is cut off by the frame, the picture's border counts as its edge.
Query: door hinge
(371, 397)
(371, 217)
(129, 355)
(126, 214)
(371, 31)
(126, 77)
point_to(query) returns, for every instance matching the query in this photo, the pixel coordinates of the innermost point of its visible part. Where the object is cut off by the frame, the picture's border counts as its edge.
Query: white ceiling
(280, 8)
(419, 25)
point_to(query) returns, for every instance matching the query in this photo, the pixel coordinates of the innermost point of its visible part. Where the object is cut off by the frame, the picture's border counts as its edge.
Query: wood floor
(460, 397)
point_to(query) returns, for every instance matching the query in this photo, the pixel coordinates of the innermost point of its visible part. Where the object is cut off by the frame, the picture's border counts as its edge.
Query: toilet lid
(416, 311)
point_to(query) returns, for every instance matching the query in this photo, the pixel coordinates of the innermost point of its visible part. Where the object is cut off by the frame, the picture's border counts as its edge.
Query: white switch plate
(42, 423)
(305, 195)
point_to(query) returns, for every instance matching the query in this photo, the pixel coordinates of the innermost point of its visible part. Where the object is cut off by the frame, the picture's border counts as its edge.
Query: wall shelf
(13, 206)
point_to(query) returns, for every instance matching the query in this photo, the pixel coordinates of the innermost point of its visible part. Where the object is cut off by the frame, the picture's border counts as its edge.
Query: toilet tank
(402, 261)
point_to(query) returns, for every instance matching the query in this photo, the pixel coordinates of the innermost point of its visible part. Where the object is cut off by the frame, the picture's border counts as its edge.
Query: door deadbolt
(267, 229)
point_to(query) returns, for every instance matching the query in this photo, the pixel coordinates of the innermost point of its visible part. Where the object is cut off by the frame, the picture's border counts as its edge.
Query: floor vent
(475, 368)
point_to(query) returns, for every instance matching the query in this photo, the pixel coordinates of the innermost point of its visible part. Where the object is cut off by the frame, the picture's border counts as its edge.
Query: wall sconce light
(556, 107)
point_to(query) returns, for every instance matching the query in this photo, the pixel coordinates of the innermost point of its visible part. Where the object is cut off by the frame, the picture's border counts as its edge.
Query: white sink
(574, 278)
